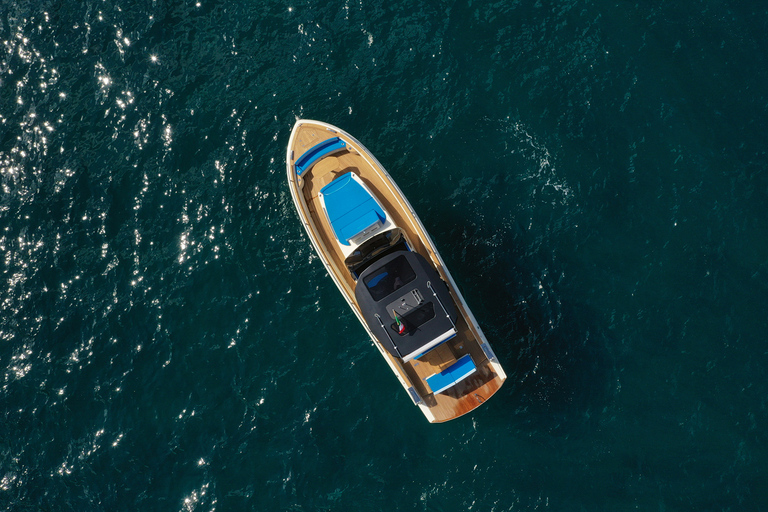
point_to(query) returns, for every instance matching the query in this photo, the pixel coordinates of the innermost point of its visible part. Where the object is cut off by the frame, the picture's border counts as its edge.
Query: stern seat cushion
(452, 375)
(350, 207)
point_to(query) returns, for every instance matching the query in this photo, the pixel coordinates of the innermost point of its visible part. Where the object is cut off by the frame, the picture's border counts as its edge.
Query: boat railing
(394, 345)
(429, 285)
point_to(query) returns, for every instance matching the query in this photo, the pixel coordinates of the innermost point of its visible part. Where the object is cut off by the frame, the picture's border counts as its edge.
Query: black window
(389, 278)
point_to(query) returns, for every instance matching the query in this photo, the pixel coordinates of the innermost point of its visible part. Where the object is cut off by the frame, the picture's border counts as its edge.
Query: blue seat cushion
(318, 151)
(452, 375)
(350, 207)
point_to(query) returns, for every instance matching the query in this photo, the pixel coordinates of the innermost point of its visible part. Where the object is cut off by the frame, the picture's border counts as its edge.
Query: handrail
(429, 285)
(388, 336)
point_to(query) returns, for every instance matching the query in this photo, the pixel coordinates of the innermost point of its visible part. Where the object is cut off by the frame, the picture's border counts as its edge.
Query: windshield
(374, 248)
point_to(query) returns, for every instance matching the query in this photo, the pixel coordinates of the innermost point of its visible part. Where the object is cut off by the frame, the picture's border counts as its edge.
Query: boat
(386, 266)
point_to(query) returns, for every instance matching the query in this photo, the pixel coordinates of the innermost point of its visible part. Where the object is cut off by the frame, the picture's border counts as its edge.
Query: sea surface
(593, 172)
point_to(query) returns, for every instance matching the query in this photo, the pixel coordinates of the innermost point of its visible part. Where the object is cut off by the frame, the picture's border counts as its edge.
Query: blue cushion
(350, 207)
(318, 151)
(452, 375)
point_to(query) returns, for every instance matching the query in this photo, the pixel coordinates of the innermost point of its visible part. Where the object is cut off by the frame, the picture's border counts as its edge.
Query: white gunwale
(356, 158)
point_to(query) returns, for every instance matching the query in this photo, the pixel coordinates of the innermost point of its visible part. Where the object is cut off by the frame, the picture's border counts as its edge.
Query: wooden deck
(472, 391)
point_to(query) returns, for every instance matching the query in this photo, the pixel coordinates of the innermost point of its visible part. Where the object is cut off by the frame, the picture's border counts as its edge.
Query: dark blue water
(594, 174)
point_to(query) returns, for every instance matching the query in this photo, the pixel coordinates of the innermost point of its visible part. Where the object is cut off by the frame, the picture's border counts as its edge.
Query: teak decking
(470, 392)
